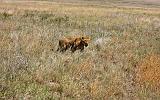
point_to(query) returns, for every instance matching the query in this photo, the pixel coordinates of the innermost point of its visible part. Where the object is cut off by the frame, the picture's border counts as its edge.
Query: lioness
(80, 43)
(65, 43)
(74, 43)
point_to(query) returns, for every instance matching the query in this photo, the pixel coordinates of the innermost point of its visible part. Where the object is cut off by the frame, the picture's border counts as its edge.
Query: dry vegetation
(122, 61)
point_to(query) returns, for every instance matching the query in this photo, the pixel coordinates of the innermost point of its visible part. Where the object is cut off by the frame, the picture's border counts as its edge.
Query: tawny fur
(80, 43)
(73, 43)
(65, 44)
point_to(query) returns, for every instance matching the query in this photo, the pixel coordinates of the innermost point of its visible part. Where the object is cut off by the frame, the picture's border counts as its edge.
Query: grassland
(121, 62)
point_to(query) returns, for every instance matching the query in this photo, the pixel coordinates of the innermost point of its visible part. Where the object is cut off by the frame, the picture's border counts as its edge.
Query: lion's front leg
(73, 48)
(82, 48)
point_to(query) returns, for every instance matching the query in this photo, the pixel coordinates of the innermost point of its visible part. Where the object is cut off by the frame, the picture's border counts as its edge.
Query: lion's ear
(82, 38)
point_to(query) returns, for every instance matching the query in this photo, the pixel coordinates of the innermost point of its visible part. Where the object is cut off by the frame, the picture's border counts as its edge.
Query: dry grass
(148, 72)
(122, 39)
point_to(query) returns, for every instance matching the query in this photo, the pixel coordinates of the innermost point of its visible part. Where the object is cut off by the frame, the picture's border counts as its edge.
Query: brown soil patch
(148, 72)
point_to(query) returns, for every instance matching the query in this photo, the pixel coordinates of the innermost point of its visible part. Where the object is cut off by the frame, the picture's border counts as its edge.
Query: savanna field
(122, 61)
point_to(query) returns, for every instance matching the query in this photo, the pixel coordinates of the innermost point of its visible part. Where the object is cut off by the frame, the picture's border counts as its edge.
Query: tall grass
(120, 39)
